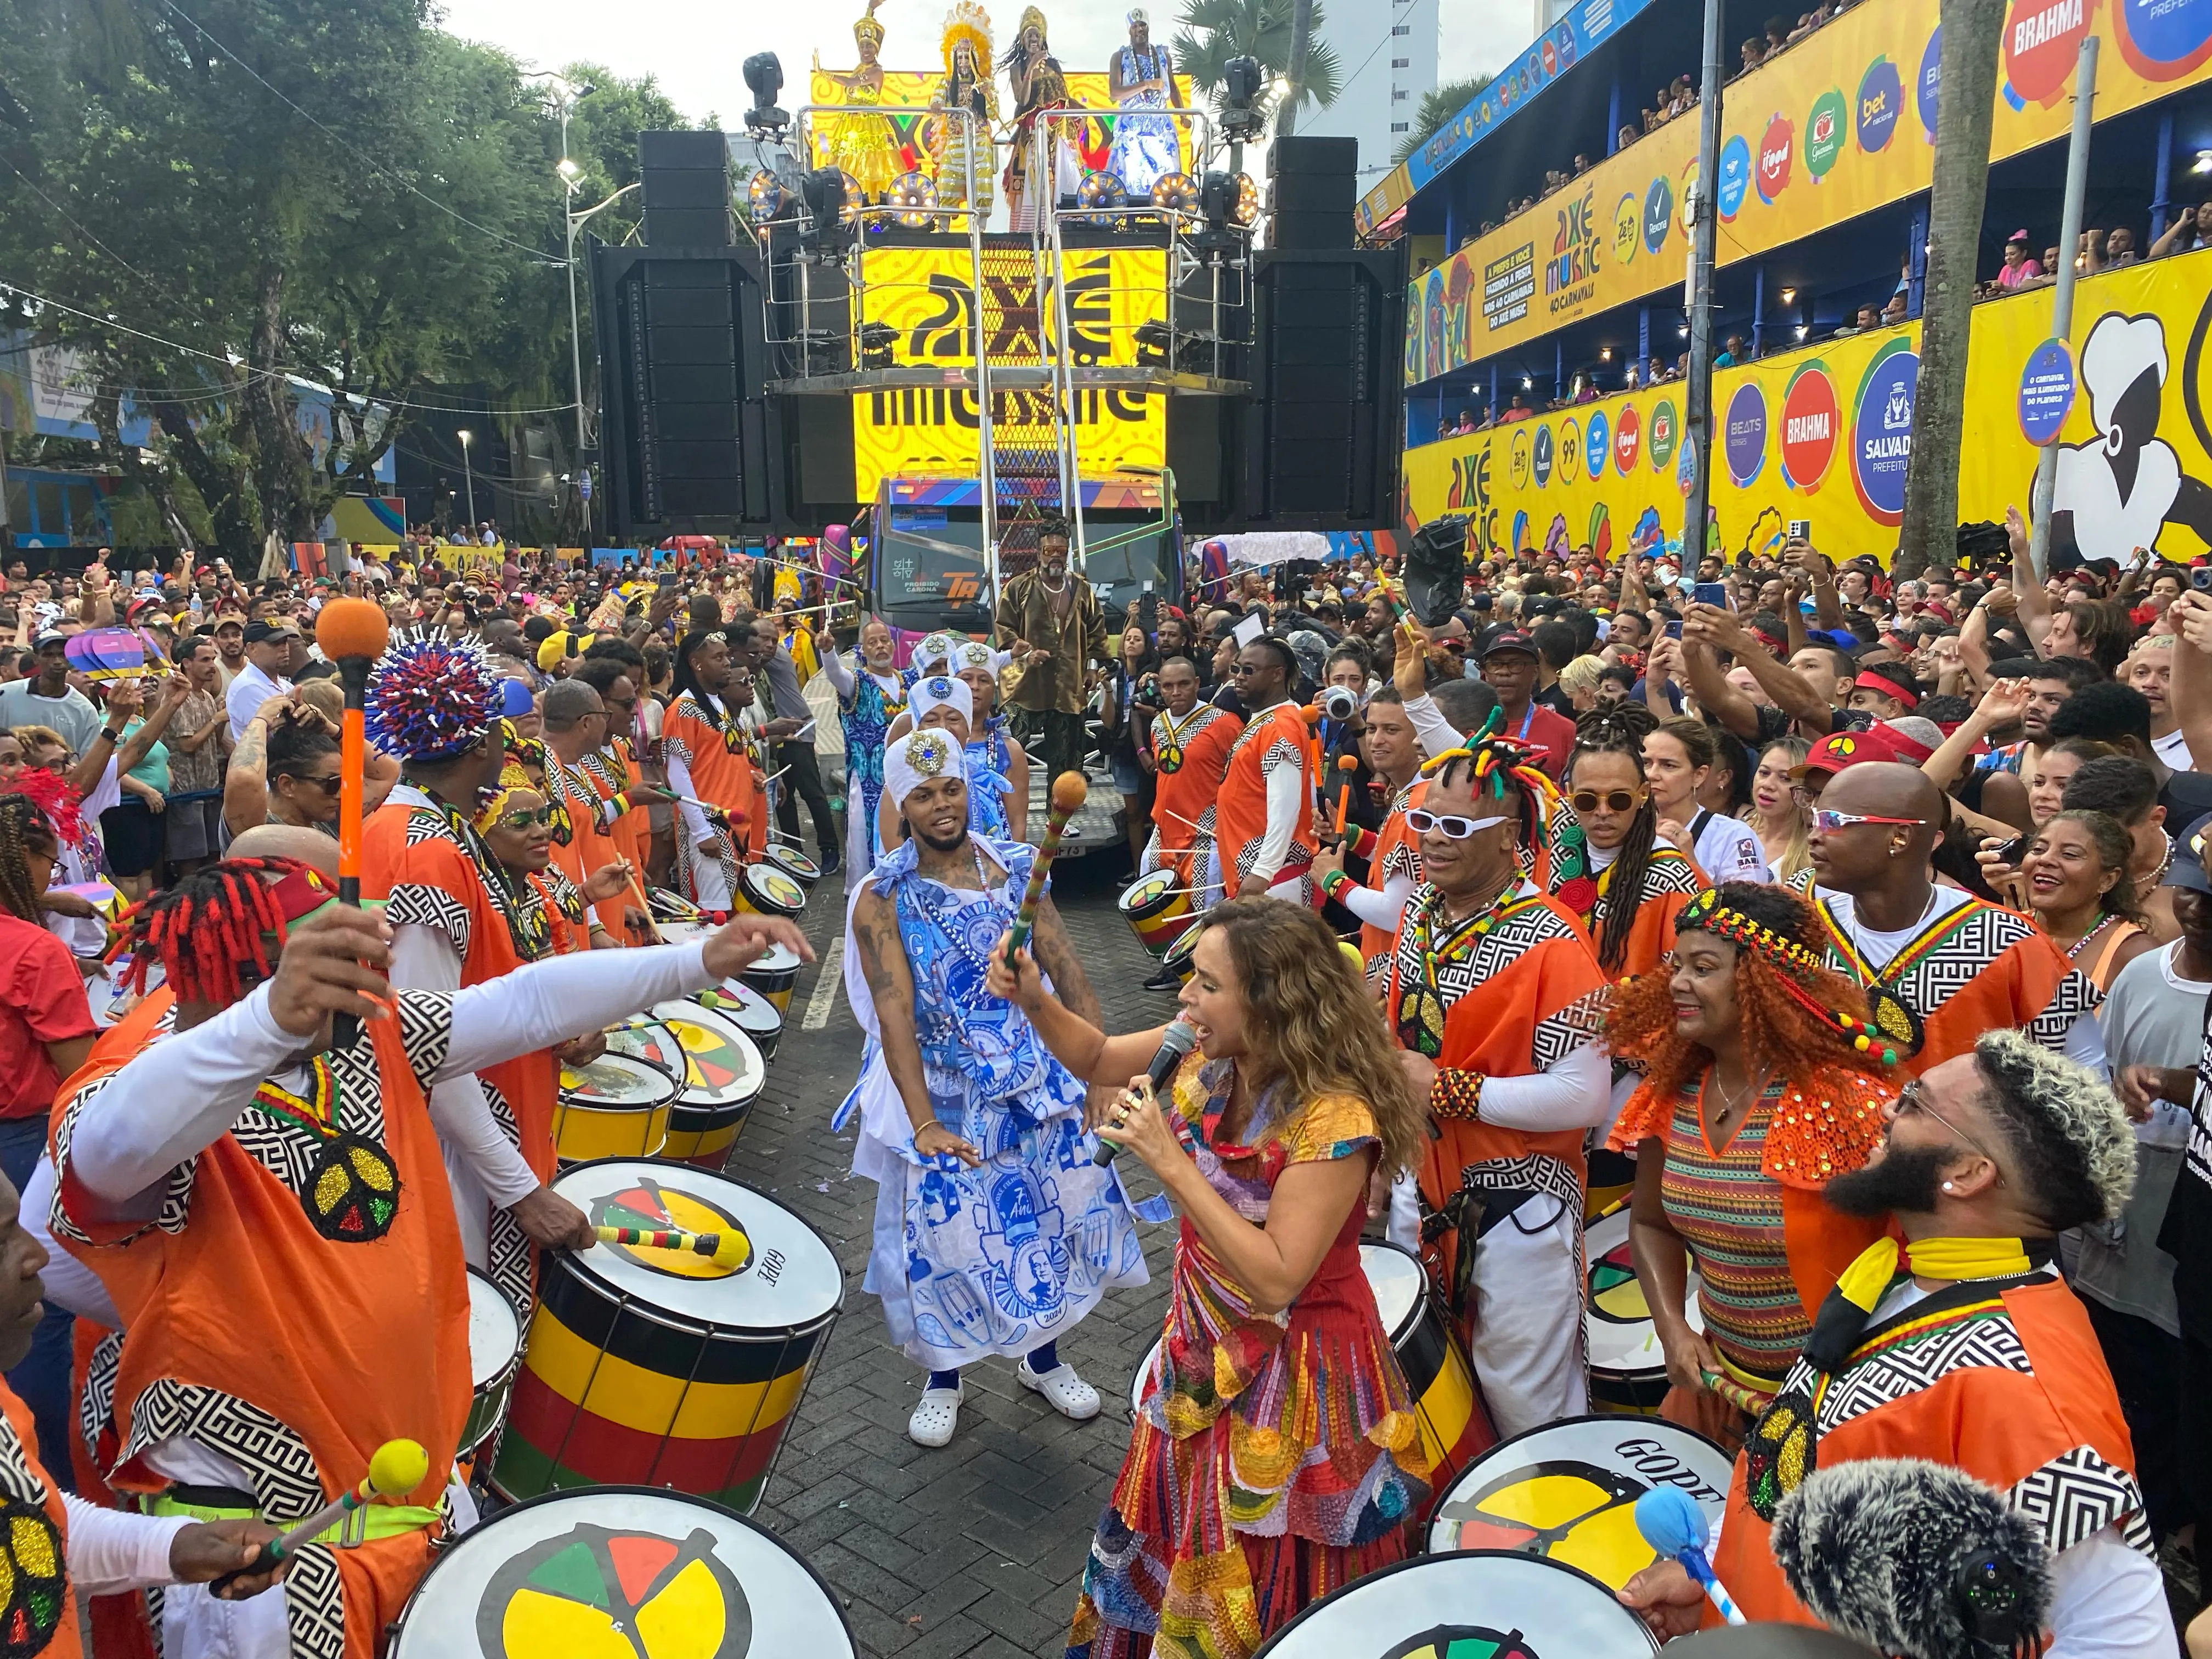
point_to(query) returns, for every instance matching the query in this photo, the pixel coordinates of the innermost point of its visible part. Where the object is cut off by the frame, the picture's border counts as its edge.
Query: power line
(349, 147)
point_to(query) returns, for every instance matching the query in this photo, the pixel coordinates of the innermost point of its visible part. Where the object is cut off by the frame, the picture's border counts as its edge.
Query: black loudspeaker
(687, 430)
(1320, 438)
(686, 189)
(1313, 187)
(1312, 233)
(1303, 154)
(1313, 192)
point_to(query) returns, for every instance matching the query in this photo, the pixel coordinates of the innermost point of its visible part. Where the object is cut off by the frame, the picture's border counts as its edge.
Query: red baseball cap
(1841, 749)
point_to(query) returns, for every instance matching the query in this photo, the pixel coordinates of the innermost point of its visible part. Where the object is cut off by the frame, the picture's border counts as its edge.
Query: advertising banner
(925, 297)
(1825, 433)
(1841, 123)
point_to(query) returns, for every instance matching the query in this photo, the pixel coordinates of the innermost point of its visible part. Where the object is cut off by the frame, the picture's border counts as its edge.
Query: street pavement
(977, 1548)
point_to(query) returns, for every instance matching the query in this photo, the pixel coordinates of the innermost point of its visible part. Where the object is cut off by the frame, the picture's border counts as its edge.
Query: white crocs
(936, 1417)
(1067, 1393)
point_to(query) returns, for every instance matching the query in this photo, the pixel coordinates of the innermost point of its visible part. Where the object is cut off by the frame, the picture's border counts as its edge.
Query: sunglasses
(1614, 801)
(1912, 1101)
(329, 785)
(1449, 825)
(524, 818)
(1829, 822)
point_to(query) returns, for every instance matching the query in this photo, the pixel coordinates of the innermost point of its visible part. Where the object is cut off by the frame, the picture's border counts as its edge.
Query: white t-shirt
(251, 689)
(86, 936)
(1728, 849)
(2173, 749)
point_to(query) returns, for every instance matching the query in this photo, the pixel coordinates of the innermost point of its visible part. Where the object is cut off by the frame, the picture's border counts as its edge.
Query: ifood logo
(1774, 151)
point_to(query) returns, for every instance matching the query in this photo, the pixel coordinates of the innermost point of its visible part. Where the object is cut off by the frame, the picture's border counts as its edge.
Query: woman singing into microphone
(1276, 1382)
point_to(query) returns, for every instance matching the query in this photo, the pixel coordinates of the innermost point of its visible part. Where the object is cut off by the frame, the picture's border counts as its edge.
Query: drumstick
(727, 1250)
(396, 1469)
(1344, 763)
(1069, 791)
(353, 633)
(644, 903)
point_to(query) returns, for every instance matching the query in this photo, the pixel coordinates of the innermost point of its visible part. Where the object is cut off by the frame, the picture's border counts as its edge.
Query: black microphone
(1912, 1557)
(1178, 1040)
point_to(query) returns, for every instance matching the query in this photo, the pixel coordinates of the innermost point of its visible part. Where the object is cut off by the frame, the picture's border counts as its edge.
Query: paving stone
(974, 1551)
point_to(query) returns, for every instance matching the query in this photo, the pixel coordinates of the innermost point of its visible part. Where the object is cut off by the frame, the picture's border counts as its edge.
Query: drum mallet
(397, 1467)
(1347, 765)
(727, 1249)
(1069, 791)
(1675, 1526)
(353, 633)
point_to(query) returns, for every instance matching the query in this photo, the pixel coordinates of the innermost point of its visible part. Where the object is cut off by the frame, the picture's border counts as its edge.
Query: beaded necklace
(1421, 1013)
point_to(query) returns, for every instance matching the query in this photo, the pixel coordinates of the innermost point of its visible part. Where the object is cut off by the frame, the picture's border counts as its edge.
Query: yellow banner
(1824, 433)
(1839, 125)
(925, 296)
(906, 96)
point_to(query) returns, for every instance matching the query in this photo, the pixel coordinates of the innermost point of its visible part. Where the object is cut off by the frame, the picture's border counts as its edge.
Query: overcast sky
(694, 48)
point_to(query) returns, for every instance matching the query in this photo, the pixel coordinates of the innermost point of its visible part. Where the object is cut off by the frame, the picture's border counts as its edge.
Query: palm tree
(1436, 108)
(1973, 31)
(1214, 31)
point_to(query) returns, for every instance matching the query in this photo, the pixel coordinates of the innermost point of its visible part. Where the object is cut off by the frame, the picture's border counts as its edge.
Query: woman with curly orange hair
(1756, 1095)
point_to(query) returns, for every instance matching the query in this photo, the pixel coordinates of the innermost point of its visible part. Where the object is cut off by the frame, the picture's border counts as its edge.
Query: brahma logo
(1811, 418)
(1774, 150)
(2042, 41)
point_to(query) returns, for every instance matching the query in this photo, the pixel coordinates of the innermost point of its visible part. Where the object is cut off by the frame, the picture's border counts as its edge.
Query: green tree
(1437, 107)
(1214, 31)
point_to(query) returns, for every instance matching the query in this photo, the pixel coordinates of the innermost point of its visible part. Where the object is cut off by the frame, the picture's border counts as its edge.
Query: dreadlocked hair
(682, 674)
(1620, 729)
(1783, 1024)
(205, 926)
(22, 823)
(1498, 766)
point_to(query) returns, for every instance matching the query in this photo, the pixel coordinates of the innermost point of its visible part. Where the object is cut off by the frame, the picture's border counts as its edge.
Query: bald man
(1942, 965)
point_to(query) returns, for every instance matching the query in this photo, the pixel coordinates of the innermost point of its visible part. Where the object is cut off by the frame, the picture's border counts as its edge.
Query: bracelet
(1334, 882)
(1455, 1093)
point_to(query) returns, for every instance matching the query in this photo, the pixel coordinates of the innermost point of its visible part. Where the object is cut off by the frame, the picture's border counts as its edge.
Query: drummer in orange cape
(1263, 812)
(1496, 996)
(1190, 745)
(1965, 1348)
(1277, 1454)
(457, 922)
(269, 1213)
(995, 1232)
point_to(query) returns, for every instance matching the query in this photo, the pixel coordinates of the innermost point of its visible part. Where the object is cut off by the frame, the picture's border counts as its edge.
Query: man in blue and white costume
(995, 1233)
(941, 703)
(1141, 77)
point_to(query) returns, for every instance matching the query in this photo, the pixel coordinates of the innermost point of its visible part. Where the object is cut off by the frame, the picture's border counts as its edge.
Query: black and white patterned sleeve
(419, 904)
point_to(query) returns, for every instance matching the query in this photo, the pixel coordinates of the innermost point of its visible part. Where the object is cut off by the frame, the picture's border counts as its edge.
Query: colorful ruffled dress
(1274, 1456)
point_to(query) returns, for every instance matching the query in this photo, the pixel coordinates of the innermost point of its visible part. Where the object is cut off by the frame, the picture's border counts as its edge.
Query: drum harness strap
(363, 1525)
(1490, 1192)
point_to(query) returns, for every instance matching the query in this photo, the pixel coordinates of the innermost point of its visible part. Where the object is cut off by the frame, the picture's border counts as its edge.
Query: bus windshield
(1121, 574)
(929, 570)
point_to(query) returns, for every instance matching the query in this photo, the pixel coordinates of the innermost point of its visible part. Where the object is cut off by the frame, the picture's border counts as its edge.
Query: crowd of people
(1859, 928)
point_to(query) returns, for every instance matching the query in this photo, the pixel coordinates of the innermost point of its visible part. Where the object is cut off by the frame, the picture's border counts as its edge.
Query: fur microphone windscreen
(1917, 1559)
(1436, 570)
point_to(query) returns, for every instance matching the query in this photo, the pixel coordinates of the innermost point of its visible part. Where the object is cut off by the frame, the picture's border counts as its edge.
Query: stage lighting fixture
(1106, 192)
(1242, 80)
(913, 196)
(763, 73)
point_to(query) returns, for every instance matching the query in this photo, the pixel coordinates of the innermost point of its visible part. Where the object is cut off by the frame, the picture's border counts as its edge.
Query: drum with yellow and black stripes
(665, 1369)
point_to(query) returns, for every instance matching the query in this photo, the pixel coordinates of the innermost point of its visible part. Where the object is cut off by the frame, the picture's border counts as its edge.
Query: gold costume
(865, 145)
(958, 145)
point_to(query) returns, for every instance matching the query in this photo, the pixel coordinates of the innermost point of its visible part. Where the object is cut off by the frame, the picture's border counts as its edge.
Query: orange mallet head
(1069, 791)
(351, 628)
(1347, 765)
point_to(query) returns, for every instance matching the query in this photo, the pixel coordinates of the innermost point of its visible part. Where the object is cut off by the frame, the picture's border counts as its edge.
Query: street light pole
(469, 477)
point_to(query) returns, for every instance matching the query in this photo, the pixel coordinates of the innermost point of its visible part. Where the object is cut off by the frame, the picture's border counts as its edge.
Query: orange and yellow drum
(618, 1106)
(1157, 912)
(662, 1368)
(1627, 1367)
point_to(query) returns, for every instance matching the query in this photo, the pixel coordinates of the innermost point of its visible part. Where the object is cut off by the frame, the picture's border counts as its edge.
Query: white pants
(1527, 1344)
(713, 886)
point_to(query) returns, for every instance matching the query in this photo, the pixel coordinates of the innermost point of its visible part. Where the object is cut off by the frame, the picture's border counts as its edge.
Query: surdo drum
(618, 1106)
(1480, 1606)
(619, 1573)
(1628, 1368)
(722, 1074)
(660, 1367)
(769, 889)
(494, 1350)
(1156, 911)
(1567, 1492)
(749, 1011)
(794, 864)
(773, 974)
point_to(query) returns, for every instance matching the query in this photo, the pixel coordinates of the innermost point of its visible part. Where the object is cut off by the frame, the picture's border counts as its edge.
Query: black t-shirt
(1556, 700)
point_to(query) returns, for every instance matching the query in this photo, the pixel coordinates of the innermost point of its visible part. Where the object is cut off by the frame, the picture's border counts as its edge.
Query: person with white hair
(1965, 1347)
(995, 1231)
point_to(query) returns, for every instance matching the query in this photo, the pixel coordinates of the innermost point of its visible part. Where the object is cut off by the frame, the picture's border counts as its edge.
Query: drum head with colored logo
(1567, 1492)
(744, 1007)
(680, 933)
(617, 1080)
(788, 1278)
(1479, 1606)
(774, 891)
(643, 1037)
(620, 1572)
(1178, 957)
(1398, 1283)
(790, 858)
(721, 1066)
(776, 960)
(495, 1332)
(1142, 894)
(1617, 1323)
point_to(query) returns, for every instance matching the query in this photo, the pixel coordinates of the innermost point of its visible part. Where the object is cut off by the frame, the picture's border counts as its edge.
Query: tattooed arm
(890, 988)
(1056, 956)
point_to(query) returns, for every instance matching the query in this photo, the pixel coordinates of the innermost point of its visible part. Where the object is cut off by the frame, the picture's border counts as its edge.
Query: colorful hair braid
(430, 701)
(201, 929)
(1496, 762)
(50, 792)
(1794, 965)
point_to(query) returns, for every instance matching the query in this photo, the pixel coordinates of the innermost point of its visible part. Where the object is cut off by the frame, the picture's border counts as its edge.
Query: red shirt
(1549, 733)
(41, 1001)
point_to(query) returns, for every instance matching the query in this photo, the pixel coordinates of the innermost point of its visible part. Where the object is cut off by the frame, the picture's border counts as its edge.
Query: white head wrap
(938, 691)
(932, 651)
(918, 757)
(973, 653)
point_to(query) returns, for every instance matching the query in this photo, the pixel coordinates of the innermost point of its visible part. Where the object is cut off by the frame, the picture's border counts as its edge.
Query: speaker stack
(686, 186)
(1313, 186)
